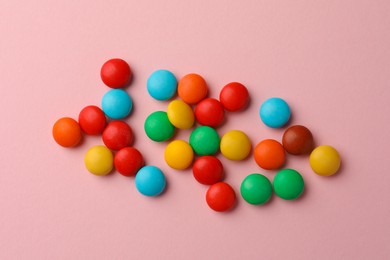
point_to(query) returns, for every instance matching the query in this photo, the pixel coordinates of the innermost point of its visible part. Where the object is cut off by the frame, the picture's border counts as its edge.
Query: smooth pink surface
(329, 59)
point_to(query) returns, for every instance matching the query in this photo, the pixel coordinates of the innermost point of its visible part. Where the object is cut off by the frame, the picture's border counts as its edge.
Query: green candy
(204, 140)
(256, 189)
(158, 127)
(288, 184)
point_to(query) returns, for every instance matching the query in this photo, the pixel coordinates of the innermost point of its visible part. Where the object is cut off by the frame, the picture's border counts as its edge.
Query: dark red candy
(298, 140)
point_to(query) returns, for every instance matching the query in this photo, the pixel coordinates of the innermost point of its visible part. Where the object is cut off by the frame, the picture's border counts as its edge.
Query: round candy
(275, 112)
(99, 160)
(208, 170)
(180, 114)
(288, 184)
(92, 120)
(179, 155)
(220, 197)
(162, 85)
(269, 154)
(118, 135)
(210, 112)
(66, 132)
(298, 140)
(158, 127)
(128, 161)
(115, 73)
(256, 189)
(204, 140)
(150, 181)
(235, 145)
(117, 104)
(325, 160)
(192, 88)
(234, 96)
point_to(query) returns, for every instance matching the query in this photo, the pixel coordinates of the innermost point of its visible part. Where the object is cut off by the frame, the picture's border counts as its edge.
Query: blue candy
(150, 181)
(117, 104)
(162, 85)
(275, 112)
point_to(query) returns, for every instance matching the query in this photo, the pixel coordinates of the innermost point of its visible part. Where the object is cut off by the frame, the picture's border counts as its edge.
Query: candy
(221, 197)
(288, 184)
(179, 155)
(180, 114)
(150, 181)
(158, 127)
(161, 85)
(192, 88)
(210, 112)
(99, 160)
(117, 104)
(66, 132)
(208, 170)
(275, 112)
(256, 189)
(298, 140)
(235, 145)
(115, 73)
(234, 96)
(325, 160)
(204, 140)
(118, 135)
(269, 154)
(92, 120)
(128, 161)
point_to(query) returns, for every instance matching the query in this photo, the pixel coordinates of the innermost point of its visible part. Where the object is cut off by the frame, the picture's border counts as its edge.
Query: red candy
(220, 197)
(115, 73)
(118, 135)
(92, 120)
(234, 96)
(128, 161)
(210, 112)
(208, 170)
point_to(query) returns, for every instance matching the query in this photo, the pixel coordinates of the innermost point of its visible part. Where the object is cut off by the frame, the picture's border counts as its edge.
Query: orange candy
(192, 88)
(269, 154)
(67, 132)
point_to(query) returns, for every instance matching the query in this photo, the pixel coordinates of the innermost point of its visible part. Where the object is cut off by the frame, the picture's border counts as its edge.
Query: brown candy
(298, 140)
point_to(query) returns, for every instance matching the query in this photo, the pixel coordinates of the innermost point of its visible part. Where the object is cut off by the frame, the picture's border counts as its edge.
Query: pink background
(329, 59)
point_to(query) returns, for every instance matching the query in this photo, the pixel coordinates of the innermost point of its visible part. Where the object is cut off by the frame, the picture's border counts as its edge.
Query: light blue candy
(150, 181)
(162, 85)
(275, 112)
(117, 104)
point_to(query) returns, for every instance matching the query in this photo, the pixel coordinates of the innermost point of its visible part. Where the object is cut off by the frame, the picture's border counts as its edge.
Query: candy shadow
(265, 205)
(338, 173)
(166, 189)
(306, 190)
(130, 82)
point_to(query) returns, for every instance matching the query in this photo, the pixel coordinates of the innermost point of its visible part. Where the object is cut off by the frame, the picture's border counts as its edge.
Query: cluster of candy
(204, 140)
(194, 110)
(117, 135)
(235, 145)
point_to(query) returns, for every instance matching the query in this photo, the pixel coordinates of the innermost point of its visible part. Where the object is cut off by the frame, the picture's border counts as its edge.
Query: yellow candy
(99, 160)
(180, 114)
(235, 145)
(179, 155)
(325, 160)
